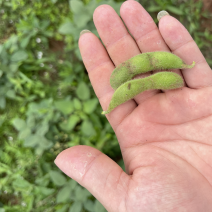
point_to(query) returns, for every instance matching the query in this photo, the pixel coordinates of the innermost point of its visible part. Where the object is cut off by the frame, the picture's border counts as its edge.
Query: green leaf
(21, 183)
(4, 68)
(2, 102)
(70, 124)
(90, 105)
(13, 67)
(78, 54)
(82, 19)
(76, 207)
(44, 143)
(64, 106)
(66, 28)
(39, 151)
(63, 195)
(30, 121)
(83, 91)
(46, 191)
(77, 104)
(154, 8)
(24, 133)
(19, 56)
(87, 128)
(57, 178)
(89, 205)
(43, 129)
(98, 207)
(11, 94)
(76, 6)
(93, 5)
(72, 184)
(44, 180)
(81, 194)
(32, 140)
(63, 209)
(19, 124)
(24, 42)
(175, 10)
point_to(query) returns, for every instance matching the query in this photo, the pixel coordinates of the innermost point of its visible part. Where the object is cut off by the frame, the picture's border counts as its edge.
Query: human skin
(165, 136)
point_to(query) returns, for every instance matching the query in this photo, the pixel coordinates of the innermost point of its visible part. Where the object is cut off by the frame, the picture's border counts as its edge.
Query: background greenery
(47, 103)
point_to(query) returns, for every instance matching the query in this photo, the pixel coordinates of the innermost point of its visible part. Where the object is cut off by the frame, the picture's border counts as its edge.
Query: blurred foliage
(47, 103)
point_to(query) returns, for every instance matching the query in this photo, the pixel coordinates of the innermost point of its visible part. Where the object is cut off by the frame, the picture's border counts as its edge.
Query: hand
(165, 136)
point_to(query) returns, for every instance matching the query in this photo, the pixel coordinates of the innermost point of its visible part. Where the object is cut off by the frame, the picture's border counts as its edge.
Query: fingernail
(84, 31)
(161, 14)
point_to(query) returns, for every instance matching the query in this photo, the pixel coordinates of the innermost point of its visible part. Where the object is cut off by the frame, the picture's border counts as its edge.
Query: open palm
(165, 136)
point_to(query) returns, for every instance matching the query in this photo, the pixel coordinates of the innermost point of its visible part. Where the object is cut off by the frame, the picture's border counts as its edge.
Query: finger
(97, 173)
(142, 27)
(119, 43)
(181, 43)
(100, 67)
(144, 30)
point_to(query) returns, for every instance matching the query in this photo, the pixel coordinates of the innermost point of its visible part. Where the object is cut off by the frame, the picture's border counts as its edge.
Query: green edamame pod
(128, 90)
(143, 63)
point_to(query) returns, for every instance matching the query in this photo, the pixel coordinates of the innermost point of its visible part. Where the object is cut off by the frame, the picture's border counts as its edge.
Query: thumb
(97, 173)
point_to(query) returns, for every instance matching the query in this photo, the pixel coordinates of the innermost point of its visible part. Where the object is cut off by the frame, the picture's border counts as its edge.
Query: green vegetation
(47, 103)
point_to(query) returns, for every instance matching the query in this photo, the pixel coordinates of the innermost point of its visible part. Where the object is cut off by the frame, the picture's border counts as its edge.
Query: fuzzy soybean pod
(128, 90)
(143, 63)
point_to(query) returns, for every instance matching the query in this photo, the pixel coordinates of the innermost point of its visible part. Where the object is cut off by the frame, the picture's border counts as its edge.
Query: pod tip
(193, 64)
(189, 66)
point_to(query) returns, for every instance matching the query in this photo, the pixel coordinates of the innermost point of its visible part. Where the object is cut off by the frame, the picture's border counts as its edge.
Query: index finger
(100, 67)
